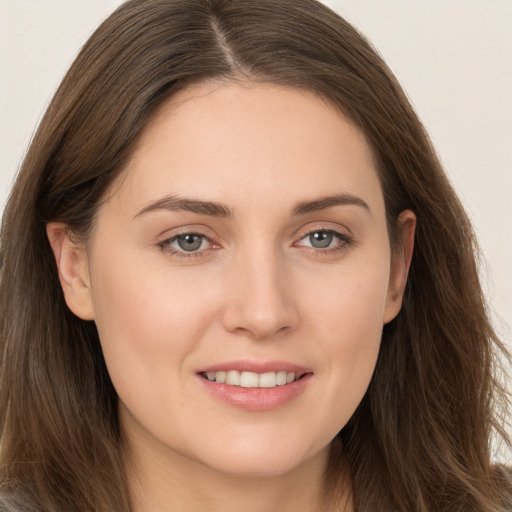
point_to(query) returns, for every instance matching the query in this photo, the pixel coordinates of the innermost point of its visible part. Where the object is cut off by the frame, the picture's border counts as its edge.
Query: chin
(257, 467)
(271, 459)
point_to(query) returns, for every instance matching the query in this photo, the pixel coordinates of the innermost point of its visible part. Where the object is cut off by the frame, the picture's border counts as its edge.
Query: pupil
(190, 242)
(320, 239)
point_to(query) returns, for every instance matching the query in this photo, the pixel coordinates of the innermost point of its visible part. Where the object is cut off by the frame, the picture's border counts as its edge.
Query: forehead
(240, 142)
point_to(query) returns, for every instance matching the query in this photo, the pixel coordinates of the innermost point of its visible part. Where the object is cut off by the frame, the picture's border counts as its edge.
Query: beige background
(453, 57)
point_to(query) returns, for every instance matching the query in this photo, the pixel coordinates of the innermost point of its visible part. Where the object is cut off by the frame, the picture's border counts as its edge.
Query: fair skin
(247, 234)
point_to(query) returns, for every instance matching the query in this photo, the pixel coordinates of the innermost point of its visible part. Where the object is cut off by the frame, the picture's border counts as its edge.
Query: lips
(255, 386)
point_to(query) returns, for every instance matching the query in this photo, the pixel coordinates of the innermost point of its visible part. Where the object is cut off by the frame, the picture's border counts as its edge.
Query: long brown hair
(420, 439)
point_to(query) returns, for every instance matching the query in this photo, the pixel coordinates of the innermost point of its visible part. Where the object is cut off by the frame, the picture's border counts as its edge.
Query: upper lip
(256, 367)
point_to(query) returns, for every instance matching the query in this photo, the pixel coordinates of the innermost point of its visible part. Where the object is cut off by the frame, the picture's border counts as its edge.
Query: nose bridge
(261, 301)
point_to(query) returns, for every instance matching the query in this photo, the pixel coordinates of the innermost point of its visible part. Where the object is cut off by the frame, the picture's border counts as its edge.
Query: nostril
(259, 304)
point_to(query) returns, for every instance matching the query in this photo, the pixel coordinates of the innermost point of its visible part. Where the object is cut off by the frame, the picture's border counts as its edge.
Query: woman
(234, 274)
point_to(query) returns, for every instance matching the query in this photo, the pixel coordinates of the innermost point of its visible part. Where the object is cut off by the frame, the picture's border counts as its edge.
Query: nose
(260, 301)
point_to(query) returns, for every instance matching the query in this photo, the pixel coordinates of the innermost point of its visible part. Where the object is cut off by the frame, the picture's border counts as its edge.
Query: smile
(247, 379)
(255, 386)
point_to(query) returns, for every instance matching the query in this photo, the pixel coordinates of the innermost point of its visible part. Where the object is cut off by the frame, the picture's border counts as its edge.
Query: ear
(73, 267)
(400, 263)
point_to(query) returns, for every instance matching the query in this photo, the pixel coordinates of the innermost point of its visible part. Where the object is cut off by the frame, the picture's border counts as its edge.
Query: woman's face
(240, 275)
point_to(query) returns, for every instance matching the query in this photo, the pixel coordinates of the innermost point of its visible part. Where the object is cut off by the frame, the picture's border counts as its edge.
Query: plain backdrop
(453, 57)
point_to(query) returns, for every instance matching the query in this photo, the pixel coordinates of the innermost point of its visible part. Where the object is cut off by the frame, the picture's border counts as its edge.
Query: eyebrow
(215, 209)
(325, 202)
(174, 203)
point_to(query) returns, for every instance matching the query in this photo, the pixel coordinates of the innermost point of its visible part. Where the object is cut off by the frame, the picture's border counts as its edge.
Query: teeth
(281, 378)
(233, 378)
(268, 380)
(251, 379)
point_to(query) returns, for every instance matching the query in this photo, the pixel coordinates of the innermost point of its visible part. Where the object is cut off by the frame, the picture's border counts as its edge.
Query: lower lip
(257, 399)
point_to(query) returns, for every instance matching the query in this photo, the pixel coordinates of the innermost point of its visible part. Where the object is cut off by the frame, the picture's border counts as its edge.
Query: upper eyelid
(318, 229)
(172, 238)
(200, 230)
(343, 238)
(337, 230)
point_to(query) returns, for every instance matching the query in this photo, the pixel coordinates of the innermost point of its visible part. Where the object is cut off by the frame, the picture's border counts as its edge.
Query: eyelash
(166, 245)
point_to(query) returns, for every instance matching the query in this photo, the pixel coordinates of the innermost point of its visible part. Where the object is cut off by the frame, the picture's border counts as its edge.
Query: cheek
(349, 303)
(148, 321)
(348, 322)
(139, 293)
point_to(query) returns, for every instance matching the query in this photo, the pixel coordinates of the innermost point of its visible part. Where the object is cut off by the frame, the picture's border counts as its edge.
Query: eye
(189, 242)
(186, 244)
(320, 239)
(324, 239)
